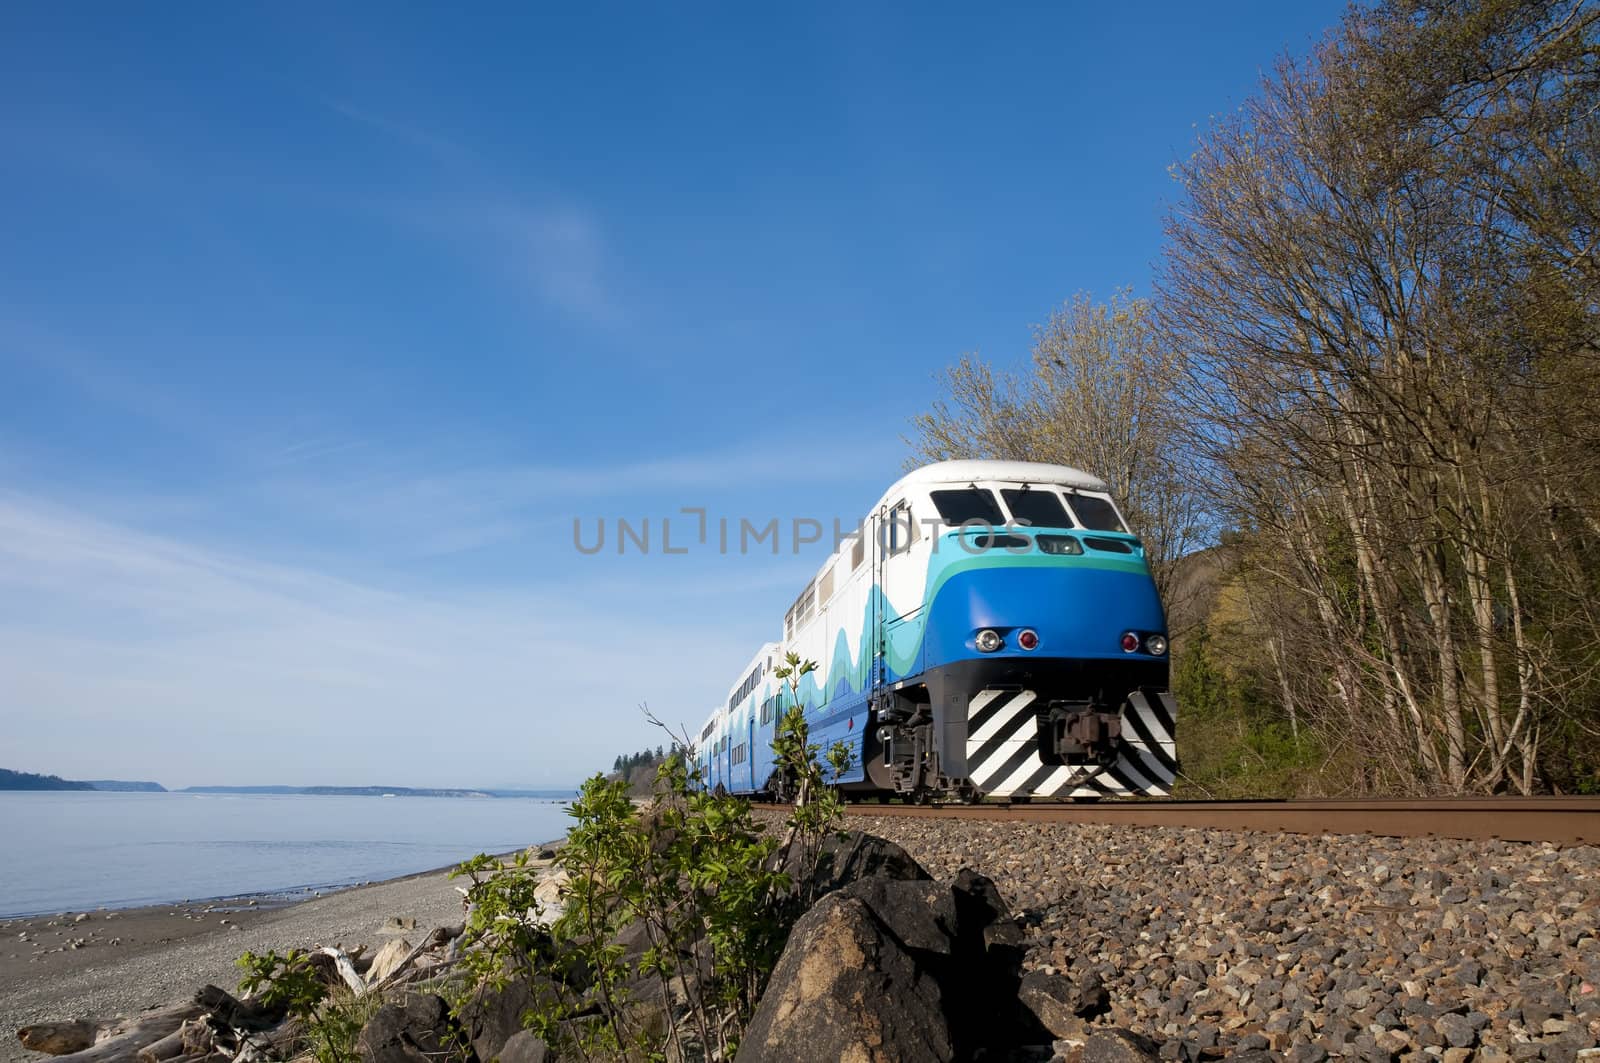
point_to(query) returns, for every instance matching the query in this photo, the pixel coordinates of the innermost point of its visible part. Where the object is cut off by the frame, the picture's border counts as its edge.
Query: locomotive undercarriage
(1019, 727)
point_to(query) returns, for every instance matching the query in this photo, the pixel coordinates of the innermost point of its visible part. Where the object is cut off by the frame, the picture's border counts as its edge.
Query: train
(990, 630)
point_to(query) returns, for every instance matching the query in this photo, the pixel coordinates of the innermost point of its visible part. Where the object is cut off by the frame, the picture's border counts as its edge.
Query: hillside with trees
(638, 770)
(1367, 382)
(23, 780)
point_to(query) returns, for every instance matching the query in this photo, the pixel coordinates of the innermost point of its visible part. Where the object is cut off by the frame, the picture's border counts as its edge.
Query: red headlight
(1130, 642)
(1028, 639)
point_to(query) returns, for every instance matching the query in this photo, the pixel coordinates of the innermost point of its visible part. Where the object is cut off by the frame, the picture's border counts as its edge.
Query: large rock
(525, 1047)
(493, 1015)
(416, 1030)
(844, 858)
(961, 934)
(845, 989)
(921, 914)
(984, 913)
(1119, 1046)
(1060, 1005)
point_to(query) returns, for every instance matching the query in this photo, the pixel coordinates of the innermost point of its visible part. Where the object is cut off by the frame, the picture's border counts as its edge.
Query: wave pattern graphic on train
(993, 631)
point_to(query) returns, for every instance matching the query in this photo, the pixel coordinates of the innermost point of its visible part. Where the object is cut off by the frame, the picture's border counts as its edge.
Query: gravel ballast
(1214, 943)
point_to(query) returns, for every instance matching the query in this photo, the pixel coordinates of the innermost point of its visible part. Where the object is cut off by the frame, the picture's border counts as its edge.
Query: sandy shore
(138, 958)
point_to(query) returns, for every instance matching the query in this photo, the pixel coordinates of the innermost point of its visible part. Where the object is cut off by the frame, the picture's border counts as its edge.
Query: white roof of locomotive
(970, 471)
(965, 472)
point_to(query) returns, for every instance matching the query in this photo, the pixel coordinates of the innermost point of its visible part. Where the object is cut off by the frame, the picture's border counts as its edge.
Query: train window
(1096, 514)
(857, 552)
(1036, 509)
(960, 505)
(1059, 544)
(800, 611)
(826, 591)
(902, 529)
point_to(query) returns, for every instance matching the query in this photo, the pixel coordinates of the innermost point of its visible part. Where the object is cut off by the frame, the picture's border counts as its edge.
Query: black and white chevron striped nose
(1003, 750)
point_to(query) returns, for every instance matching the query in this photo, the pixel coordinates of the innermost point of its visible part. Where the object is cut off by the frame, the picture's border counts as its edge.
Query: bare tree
(1383, 275)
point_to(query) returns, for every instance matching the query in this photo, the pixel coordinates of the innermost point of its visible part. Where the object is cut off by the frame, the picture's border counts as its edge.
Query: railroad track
(1562, 820)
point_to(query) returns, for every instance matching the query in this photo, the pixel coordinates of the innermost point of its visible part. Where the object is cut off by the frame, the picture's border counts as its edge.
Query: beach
(138, 958)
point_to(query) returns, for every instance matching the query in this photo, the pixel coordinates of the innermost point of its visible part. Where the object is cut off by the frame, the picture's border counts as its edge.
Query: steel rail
(1560, 820)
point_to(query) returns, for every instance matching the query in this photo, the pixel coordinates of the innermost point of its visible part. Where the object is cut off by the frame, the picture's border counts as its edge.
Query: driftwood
(218, 1027)
(115, 1041)
(341, 966)
(230, 1011)
(437, 937)
(170, 1046)
(59, 1038)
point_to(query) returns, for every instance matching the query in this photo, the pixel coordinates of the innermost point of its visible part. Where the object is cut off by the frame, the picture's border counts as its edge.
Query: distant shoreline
(383, 791)
(54, 784)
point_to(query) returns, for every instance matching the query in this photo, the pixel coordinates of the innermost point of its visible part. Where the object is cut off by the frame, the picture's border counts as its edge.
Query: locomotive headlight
(1130, 642)
(1156, 645)
(1028, 639)
(989, 640)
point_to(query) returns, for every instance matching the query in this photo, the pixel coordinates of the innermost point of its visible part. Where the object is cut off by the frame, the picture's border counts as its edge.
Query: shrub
(696, 880)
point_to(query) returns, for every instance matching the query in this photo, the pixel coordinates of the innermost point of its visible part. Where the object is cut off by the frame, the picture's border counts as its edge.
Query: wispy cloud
(548, 244)
(565, 259)
(24, 339)
(422, 505)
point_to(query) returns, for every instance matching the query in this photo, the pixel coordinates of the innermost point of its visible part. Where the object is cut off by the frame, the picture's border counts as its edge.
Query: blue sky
(319, 326)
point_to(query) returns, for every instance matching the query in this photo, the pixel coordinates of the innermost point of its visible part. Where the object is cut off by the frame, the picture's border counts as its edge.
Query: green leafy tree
(818, 809)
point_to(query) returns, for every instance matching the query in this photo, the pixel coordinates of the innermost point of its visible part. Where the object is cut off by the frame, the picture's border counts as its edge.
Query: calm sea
(70, 851)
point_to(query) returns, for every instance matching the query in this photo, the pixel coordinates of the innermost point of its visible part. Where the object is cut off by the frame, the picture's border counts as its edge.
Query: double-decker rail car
(991, 630)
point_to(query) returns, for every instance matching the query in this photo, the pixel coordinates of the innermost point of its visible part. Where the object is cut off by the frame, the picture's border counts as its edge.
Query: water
(71, 851)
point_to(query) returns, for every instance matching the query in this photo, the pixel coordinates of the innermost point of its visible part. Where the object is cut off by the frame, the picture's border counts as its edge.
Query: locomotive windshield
(957, 507)
(1096, 514)
(1037, 509)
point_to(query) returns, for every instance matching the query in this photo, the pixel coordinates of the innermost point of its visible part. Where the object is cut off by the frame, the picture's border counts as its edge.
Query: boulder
(1060, 1005)
(961, 934)
(921, 914)
(494, 1015)
(845, 989)
(844, 858)
(1119, 1046)
(983, 913)
(525, 1047)
(416, 1030)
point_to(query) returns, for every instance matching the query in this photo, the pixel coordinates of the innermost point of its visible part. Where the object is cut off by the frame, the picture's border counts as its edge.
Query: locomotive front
(1035, 662)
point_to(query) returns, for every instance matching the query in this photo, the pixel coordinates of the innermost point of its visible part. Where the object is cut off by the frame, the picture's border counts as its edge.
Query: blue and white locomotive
(991, 630)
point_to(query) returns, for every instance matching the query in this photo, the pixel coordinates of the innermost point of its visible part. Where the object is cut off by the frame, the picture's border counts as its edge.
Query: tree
(1383, 275)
